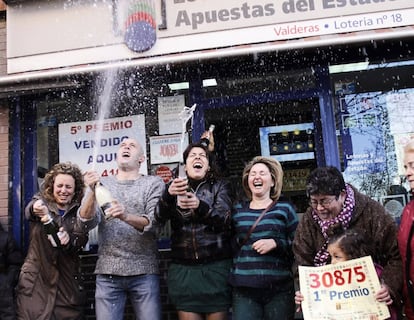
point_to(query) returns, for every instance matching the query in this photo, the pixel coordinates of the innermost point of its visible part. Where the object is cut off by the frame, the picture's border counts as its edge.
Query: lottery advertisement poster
(341, 291)
(93, 145)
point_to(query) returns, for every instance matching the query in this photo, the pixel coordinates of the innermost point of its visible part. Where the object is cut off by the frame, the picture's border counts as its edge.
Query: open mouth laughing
(258, 184)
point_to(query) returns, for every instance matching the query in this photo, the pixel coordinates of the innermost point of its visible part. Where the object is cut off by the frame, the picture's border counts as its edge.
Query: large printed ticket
(341, 291)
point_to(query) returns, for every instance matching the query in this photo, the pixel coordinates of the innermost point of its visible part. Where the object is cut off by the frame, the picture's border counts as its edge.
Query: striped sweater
(250, 269)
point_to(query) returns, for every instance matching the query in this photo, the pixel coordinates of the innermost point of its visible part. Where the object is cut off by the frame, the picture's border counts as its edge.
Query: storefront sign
(93, 145)
(198, 16)
(185, 26)
(341, 291)
(167, 149)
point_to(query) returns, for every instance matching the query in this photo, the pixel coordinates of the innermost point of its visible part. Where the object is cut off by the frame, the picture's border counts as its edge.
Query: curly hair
(63, 168)
(276, 172)
(326, 181)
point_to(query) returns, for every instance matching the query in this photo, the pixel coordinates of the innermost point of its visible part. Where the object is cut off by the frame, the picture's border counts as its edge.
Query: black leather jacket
(203, 235)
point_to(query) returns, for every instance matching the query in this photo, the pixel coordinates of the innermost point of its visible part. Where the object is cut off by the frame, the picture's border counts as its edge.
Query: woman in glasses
(334, 203)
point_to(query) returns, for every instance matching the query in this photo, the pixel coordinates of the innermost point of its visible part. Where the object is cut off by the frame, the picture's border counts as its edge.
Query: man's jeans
(112, 291)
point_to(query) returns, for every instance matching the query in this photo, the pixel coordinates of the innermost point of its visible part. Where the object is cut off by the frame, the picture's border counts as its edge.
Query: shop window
(375, 119)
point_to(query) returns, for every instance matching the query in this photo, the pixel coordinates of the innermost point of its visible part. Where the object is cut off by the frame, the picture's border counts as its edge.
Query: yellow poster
(341, 291)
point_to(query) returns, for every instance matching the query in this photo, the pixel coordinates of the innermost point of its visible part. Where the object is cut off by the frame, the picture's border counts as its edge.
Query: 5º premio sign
(341, 291)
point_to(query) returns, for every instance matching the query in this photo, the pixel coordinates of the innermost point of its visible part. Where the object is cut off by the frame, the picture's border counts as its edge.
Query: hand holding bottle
(110, 206)
(40, 209)
(50, 226)
(188, 201)
(116, 210)
(104, 199)
(178, 187)
(102, 194)
(63, 236)
(207, 138)
(91, 178)
(56, 236)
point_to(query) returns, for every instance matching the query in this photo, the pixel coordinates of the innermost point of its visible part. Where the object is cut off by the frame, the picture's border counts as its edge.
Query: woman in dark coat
(49, 287)
(333, 204)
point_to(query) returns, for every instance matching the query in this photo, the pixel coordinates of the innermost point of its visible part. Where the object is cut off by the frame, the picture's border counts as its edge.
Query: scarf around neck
(343, 218)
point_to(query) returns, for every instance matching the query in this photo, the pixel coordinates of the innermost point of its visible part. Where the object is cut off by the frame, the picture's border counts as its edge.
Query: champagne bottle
(206, 141)
(51, 228)
(182, 174)
(181, 171)
(104, 198)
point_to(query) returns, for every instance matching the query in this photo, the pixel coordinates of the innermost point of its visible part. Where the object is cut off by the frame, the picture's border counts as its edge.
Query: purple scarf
(343, 218)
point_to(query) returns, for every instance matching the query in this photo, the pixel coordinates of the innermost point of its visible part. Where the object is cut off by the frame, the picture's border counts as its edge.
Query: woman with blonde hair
(264, 228)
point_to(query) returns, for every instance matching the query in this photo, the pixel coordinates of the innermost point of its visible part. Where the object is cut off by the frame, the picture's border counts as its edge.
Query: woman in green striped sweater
(262, 266)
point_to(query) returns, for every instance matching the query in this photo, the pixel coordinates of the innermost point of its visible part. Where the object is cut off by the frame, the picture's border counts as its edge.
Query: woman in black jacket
(198, 207)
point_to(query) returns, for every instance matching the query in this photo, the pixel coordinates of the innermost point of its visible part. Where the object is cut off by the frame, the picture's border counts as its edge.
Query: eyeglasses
(324, 202)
